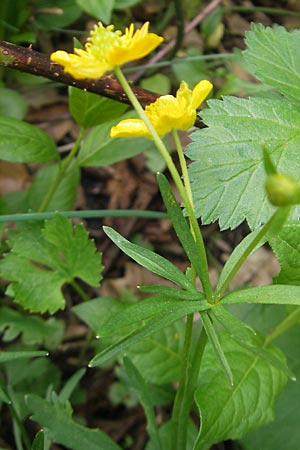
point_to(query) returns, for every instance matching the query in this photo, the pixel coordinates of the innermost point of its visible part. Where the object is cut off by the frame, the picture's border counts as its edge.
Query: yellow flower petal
(200, 92)
(130, 128)
(106, 49)
(167, 112)
(80, 66)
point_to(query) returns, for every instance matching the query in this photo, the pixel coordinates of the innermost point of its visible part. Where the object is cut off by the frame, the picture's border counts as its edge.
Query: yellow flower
(106, 49)
(167, 112)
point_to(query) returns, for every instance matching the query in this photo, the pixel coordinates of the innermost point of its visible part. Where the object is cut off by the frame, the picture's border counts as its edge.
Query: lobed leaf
(273, 53)
(43, 260)
(227, 173)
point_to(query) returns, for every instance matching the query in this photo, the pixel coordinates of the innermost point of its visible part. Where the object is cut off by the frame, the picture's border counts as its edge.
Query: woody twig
(30, 61)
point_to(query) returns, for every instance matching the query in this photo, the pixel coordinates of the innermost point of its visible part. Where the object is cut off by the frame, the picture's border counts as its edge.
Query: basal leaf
(152, 261)
(273, 53)
(227, 172)
(22, 142)
(286, 246)
(231, 412)
(43, 260)
(64, 430)
(33, 329)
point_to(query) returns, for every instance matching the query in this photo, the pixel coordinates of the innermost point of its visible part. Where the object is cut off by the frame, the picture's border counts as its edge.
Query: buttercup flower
(167, 112)
(106, 49)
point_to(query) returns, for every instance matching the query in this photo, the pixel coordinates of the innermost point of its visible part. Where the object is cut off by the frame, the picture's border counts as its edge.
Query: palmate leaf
(274, 54)
(43, 260)
(227, 172)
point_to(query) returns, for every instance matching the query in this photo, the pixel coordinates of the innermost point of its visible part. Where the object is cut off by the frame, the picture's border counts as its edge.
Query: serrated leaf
(65, 194)
(152, 261)
(22, 142)
(42, 261)
(64, 430)
(273, 53)
(99, 149)
(34, 330)
(231, 412)
(286, 246)
(90, 109)
(227, 173)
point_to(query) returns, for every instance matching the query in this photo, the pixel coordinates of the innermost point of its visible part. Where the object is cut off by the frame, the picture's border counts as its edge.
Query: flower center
(102, 40)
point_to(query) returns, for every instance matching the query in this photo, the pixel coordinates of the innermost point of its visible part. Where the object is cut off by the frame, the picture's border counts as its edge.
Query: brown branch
(31, 61)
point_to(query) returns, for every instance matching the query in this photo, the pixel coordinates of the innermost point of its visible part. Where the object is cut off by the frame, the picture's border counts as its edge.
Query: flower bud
(282, 190)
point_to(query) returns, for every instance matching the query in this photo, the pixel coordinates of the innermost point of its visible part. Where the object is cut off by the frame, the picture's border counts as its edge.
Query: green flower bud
(282, 190)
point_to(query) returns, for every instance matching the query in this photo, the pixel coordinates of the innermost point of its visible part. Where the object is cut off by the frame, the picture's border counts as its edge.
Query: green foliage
(42, 260)
(257, 385)
(286, 248)
(32, 329)
(62, 429)
(22, 142)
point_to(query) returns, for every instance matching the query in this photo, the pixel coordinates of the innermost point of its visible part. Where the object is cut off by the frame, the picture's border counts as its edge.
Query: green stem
(24, 217)
(275, 222)
(80, 291)
(17, 420)
(183, 166)
(176, 178)
(185, 393)
(287, 323)
(65, 164)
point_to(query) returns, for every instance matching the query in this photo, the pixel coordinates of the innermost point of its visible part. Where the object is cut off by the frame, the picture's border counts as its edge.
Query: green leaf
(148, 309)
(11, 356)
(232, 412)
(64, 430)
(99, 149)
(269, 295)
(273, 53)
(152, 261)
(174, 311)
(140, 386)
(97, 311)
(38, 442)
(12, 104)
(65, 194)
(69, 13)
(227, 173)
(284, 430)
(286, 246)
(34, 330)
(158, 358)
(180, 224)
(43, 260)
(101, 9)
(70, 385)
(90, 109)
(22, 142)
